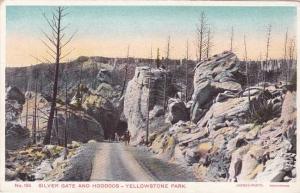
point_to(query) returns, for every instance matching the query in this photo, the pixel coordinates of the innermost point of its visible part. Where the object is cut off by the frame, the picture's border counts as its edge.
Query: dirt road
(117, 162)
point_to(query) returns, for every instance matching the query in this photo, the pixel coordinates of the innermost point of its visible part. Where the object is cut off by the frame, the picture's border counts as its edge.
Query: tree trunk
(26, 121)
(54, 93)
(125, 80)
(66, 123)
(34, 116)
(165, 92)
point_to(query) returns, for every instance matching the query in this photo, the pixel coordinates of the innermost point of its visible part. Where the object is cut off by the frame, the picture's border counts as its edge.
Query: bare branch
(54, 19)
(68, 53)
(69, 40)
(50, 55)
(51, 49)
(62, 9)
(49, 23)
(38, 59)
(65, 14)
(65, 27)
(47, 36)
(43, 112)
(62, 36)
(46, 59)
(54, 35)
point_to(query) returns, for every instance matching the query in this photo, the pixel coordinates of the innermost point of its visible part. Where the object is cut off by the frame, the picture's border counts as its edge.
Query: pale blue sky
(127, 24)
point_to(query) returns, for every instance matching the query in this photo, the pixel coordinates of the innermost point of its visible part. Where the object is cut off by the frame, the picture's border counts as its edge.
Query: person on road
(116, 137)
(127, 137)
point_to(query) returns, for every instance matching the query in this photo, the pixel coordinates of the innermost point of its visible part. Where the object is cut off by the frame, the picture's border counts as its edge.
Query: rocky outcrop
(16, 135)
(240, 135)
(13, 93)
(218, 74)
(138, 92)
(177, 111)
(224, 146)
(81, 126)
(103, 103)
(100, 108)
(77, 168)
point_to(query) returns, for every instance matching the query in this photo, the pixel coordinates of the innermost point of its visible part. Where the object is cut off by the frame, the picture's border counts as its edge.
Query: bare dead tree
(28, 95)
(38, 121)
(267, 53)
(55, 42)
(151, 57)
(231, 39)
(285, 55)
(247, 72)
(80, 76)
(126, 69)
(186, 71)
(157, 58)
(291, 57)
(148, 107)
(167, 53)
(26, 119)
(66, 116)
(208, 42)
(55, 135)
(35, 110)
(201, 31)
(165, 75)
(260, 73)
(165, 92)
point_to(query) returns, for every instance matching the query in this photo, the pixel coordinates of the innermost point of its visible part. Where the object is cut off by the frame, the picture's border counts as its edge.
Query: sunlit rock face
(212, 76)
(136, 98)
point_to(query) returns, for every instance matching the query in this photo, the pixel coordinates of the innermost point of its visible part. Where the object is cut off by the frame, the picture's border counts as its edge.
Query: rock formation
(16, 135)
(228, 136)
(81, 126)
(138, 92)
(218, 74)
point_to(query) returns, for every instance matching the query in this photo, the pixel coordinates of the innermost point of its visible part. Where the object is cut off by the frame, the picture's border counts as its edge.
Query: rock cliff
(234, 133)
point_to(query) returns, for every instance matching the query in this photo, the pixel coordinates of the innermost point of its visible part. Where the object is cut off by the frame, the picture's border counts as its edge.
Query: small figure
(127, 137)
(116, 137)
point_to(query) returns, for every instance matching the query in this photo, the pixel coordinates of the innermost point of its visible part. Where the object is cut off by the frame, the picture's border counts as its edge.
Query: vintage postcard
(149, 96)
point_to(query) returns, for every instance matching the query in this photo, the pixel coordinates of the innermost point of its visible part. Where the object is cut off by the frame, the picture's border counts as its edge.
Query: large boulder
(214, 75)
(137, 94)
(81, 126)
(13, 93)
(16, 136)
(231, 112)
(104, 76)
(277, 168)
(177, 111)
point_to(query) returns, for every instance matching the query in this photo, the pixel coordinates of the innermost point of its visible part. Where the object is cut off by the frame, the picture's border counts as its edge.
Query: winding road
(117, 162)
